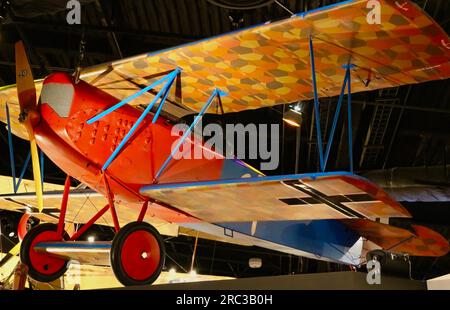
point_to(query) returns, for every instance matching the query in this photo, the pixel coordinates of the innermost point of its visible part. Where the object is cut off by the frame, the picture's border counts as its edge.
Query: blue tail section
(325, 238)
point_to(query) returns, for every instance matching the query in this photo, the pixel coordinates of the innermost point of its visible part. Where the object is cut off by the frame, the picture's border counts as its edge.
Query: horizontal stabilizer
(421, 241)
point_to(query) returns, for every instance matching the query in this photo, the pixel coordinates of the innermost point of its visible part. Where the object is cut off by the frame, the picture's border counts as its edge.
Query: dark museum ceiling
(407, 126)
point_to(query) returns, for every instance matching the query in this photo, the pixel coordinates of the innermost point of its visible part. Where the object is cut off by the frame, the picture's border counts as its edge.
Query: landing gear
(137, 254)
(41, 266)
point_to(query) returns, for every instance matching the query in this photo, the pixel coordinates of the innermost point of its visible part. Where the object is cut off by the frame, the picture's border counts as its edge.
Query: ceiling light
(291, 122)
(293, 116)
(297, 107)
(255, 262)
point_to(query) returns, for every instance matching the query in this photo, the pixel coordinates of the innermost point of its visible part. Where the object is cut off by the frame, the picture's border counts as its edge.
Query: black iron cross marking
(317, 197)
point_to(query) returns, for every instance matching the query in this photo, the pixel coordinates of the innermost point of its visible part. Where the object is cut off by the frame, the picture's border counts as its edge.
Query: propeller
(29, 114)
(29, 117)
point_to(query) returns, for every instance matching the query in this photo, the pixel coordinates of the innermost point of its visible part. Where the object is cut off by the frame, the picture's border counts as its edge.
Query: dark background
(407, 126)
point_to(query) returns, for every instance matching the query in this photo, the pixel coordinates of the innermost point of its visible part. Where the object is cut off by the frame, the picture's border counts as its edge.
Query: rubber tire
(116, 251)
(25, 258)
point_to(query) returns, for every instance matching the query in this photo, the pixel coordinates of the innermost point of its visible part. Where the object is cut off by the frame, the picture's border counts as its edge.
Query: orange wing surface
(270, 64)
(318, 196)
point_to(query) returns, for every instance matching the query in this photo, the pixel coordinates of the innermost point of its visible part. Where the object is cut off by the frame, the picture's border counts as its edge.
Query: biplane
(91, 128)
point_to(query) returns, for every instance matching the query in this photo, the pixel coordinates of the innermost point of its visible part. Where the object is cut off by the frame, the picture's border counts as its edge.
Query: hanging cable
(241, 5)
(81, 50)
(81, 54)
(194, 252)
(284, 7)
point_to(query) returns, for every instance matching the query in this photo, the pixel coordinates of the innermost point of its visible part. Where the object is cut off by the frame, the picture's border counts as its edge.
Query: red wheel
(137, 254)
(41, 266)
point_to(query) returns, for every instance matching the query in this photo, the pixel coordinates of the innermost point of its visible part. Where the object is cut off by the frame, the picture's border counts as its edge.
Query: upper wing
(291, 197)
(270, 64)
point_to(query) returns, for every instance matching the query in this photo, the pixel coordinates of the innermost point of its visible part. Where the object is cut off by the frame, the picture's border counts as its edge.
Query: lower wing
(342, 196)
(316, 196)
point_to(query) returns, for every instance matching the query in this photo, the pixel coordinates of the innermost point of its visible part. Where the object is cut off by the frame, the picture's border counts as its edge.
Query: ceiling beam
(404, 107)
(112, 38)
(397, 106)
(51, 68)
(26, 41)
(167, 38)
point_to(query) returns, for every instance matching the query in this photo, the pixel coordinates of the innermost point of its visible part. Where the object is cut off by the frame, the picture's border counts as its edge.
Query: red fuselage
(80, 149)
